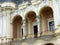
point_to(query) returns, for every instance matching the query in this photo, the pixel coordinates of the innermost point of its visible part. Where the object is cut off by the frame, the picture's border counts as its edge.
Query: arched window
(47, 18)
(49, 44)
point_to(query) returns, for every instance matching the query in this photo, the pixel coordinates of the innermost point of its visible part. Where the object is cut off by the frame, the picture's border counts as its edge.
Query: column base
(23, 37)
(38, 35)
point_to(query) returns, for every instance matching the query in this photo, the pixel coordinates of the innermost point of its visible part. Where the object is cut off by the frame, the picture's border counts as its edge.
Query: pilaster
(56, 13)
(56, 16)
(38, 23)
(24, 29)
(8, 24)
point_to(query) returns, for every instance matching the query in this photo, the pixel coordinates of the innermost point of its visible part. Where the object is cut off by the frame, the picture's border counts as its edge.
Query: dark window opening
(22, 32)
(35, 31)
(51, 25)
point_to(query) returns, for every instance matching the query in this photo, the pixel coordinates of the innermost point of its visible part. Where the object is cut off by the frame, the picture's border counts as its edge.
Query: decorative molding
(35, 2)
(23, 5)
(8, 4)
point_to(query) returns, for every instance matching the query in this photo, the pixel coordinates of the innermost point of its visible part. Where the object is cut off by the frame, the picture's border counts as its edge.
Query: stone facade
(18, 23)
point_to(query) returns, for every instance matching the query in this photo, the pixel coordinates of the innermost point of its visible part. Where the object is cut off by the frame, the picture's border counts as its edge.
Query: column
(56, 16)
(29, 26)
(38, 25)
(8, 24)
(56, 13)
(11, 29)
(4, 25)
(1, 33)
(24, 29)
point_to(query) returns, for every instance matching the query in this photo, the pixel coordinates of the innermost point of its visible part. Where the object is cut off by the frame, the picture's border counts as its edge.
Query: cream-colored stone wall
(7, 25)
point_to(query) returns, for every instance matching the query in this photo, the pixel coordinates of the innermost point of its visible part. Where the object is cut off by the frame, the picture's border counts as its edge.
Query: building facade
(34, 22)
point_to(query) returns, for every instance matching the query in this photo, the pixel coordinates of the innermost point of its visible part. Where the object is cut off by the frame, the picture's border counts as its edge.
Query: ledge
(47, 33)
(34, 2)
(23, 5)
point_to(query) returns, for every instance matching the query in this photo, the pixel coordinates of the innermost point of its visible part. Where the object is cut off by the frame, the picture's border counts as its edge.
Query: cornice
(9, 5)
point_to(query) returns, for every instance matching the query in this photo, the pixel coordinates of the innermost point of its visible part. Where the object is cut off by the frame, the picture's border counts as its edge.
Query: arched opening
(17, 24)
(31, 23)
(47, 19)
(49, 44)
